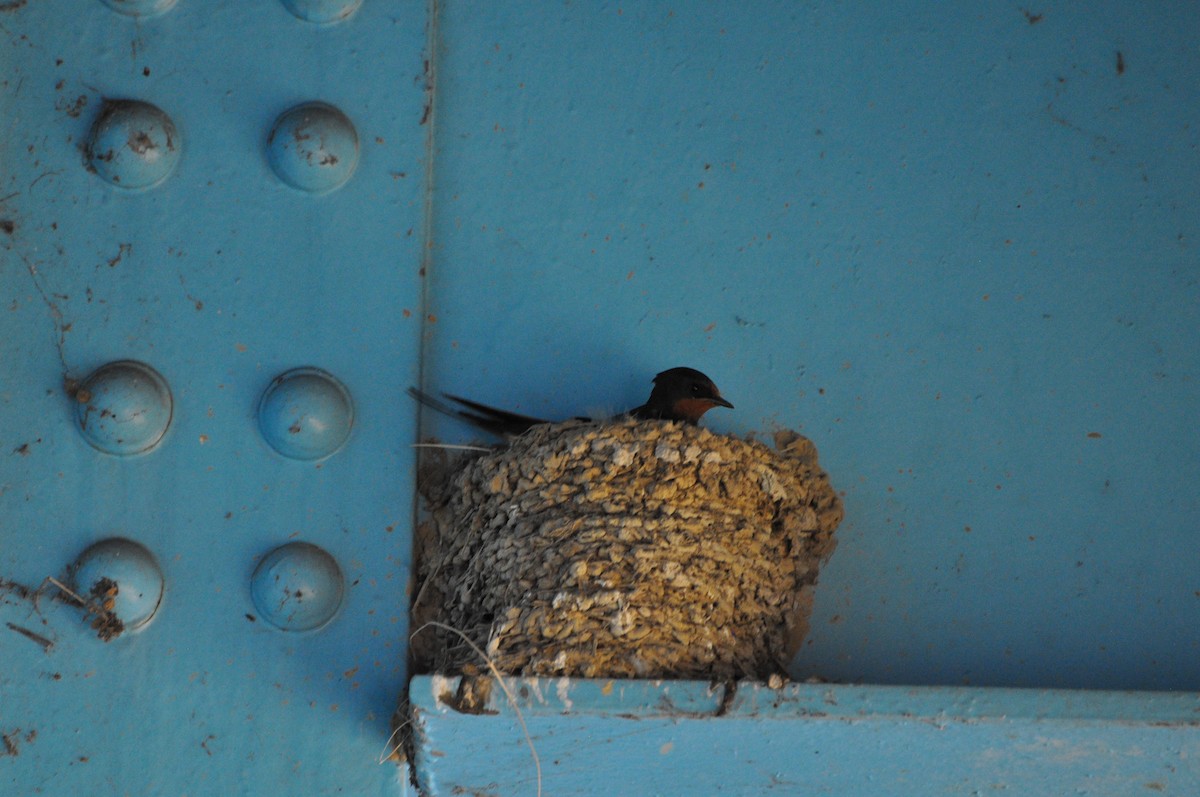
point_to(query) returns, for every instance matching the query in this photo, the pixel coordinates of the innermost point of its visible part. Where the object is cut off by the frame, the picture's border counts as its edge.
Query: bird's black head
(683, 394)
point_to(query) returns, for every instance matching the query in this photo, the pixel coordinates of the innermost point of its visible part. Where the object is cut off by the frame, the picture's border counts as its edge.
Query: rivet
(313, 147)
(133, 144)
(297, 587)
(120, 576)
(322, 11)
(305, 414)
(123, 408)
(139, 8)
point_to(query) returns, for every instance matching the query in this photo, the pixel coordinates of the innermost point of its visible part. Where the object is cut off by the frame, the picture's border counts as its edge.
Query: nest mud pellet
(628, 549)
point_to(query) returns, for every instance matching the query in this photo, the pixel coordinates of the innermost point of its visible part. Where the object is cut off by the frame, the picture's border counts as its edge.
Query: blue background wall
(221, 278)
(956, 247)
(953, 245)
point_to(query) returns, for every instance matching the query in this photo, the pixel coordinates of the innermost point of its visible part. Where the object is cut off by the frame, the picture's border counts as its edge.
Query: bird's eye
(695, 389)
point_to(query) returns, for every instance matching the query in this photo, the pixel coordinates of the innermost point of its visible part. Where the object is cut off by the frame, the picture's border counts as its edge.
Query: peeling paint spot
(122, 250)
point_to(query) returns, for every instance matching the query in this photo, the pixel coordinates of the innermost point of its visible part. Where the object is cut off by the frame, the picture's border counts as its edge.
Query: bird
(679, 394)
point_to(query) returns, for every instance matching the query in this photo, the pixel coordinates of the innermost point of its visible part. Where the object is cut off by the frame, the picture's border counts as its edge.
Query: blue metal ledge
(668, 737)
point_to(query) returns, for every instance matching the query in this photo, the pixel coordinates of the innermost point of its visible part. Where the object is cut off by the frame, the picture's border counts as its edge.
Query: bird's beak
(720, 402)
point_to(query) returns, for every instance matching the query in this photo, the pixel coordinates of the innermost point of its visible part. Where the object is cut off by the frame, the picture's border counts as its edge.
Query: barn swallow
(679, 394)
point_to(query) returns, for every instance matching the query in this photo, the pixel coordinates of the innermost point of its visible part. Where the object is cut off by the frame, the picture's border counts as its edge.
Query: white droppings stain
(440, 685)
(563, 686)
(535, 689)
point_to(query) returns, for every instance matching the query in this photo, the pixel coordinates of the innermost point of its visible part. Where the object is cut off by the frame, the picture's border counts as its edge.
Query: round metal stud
(121, 576)
(133, 144)
(124, 408)
(297, 587)
(313, 147)
(322, 11)
(139, 8)
(305, 414)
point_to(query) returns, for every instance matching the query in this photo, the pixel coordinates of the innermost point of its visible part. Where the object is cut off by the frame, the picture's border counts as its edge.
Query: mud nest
(629, 549)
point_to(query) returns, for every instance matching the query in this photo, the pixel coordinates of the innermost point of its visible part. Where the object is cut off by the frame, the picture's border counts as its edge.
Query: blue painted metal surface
(955, 248)
(220, 277)
(691, 738)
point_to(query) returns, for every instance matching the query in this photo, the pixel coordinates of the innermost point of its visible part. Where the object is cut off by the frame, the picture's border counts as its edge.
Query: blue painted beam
(685, 737)
(221, 277)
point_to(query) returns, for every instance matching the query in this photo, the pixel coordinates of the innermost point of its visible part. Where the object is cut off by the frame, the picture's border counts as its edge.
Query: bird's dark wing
(490, 419)
(647, 413)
